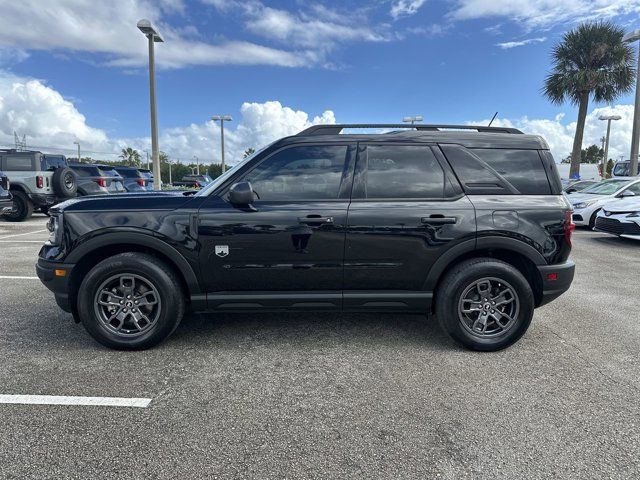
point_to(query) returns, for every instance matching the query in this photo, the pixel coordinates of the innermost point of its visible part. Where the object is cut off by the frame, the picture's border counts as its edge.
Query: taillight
(39, 181)
(140, 181)
(101, 181)
(198, 185)
(569, 226)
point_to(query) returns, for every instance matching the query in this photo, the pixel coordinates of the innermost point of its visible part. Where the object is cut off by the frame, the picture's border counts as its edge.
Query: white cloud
(52, 123)
(109, 28)
(559, 133)
(520, 43)
(403, 8)
(543, 13)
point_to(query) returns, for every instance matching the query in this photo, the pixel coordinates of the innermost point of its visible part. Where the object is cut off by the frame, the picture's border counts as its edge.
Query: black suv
(465, 222)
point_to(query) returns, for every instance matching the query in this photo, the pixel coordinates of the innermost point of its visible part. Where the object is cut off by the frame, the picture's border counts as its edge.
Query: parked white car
(620, 218)
(587, 203)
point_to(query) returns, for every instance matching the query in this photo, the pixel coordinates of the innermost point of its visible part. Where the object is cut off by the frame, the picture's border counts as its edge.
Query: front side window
(397, 171)
(635, 188)
(300, 173)
(18, 162)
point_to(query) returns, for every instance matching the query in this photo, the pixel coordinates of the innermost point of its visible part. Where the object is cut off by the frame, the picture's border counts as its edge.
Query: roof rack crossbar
(335, 129)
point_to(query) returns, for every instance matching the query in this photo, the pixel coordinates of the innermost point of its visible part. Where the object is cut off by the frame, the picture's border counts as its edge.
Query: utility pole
(197, 164)
(605, 158)
(79, 157)
(153, 36)
(222, 119)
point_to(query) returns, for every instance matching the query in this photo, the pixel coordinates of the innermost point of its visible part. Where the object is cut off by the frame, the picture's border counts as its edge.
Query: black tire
(64, 183)
(169, 308)
(22, 208)
(592, 220)
(465, 280)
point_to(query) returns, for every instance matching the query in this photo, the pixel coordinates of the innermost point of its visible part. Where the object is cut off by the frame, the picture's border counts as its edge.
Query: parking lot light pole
(153, 36)
(633, 158)
(605, 158)
(222, 119)
(412, 120)
(197, 164)
(78, 144)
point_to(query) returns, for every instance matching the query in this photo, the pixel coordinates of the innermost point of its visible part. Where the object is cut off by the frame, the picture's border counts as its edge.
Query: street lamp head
(76, 143)
(632, 36)
(217, 118)
(610, 117)
(415, 118)
(146, 27)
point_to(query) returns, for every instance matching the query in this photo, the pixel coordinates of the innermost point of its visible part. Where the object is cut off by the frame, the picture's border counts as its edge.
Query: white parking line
(17, 277)
(21, 234)
(85, 401)
(23, 241)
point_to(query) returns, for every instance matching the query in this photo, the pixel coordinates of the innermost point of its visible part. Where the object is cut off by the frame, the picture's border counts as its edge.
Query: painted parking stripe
(17, 277)
(22, 234)
(23, 241)
(76, 401)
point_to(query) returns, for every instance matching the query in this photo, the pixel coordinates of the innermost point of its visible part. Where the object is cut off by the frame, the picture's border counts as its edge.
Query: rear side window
(521, 168)
(403, 172)
(51, 162)
(20, 163)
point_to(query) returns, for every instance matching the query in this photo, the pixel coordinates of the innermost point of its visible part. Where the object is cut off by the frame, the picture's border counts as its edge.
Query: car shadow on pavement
(620, 242)
(310, 330)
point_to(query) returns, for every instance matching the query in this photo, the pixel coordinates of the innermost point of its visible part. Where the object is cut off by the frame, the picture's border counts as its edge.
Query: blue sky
(289, 61)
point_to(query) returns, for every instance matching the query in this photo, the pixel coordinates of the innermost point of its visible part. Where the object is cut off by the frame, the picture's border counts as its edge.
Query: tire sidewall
(170, 294)
(448, 300)
(59, 185)
(24, 208)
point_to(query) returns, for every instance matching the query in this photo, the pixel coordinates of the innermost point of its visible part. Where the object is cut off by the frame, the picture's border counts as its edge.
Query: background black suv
(469, 224)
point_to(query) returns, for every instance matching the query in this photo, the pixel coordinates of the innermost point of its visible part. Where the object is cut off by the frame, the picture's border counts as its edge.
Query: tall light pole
(78, 144)
(605, 158)
(633, 158)
(222, 119)
(153, 36)
(197, 164)
(412, 120)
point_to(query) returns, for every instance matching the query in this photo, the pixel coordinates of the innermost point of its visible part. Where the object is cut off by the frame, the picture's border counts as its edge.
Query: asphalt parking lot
(326, 396)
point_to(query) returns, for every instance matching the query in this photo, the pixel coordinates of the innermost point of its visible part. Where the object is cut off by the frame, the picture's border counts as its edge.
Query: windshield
(621, 169)
(221, 179)
(608, 187)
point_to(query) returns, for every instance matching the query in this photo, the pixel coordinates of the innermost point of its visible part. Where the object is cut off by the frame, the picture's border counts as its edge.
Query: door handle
(314, 220)
(438, 219)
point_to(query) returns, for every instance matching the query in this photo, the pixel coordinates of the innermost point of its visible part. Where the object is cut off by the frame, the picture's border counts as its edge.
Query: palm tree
(130, 157)
(591, 60)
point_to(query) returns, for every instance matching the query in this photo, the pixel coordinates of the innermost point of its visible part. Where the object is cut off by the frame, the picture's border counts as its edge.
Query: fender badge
(222, 250)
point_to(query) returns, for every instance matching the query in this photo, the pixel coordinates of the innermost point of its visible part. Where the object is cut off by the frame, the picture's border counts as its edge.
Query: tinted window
(521, 168)
(403, 172)
(475, 177)
(18, 162)
(300, 173)
(83, 171)
(622, 169)
(128, 172)
(51, 162)
(635, 188)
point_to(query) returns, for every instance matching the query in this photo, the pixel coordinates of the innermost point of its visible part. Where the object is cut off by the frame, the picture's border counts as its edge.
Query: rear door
(405, 211)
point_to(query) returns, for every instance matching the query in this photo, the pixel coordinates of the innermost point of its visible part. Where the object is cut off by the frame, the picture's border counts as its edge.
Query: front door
(291, 241)
(405, 213)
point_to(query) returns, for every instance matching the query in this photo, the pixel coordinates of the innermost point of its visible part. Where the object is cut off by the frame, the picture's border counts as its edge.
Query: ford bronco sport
(467, 223)
(37, 180)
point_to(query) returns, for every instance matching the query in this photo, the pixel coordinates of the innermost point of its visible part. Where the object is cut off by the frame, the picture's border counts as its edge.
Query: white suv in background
(587, 203)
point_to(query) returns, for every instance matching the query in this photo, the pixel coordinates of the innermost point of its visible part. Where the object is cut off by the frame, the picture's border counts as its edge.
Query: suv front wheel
(22, 207)
(484, 304)
(131, 301)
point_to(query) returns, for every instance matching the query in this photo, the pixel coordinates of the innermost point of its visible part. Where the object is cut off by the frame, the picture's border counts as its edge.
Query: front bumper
(6, 204)
(556, 279)
(58, 284)
(581, 217)
(619, 225)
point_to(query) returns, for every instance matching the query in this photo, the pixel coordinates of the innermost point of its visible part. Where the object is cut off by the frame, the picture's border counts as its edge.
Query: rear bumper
(556, 279)
(59, 285)
(40, 200)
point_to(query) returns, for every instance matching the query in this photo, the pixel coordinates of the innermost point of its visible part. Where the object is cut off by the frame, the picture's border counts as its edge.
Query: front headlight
(55, 230)
(581, 205)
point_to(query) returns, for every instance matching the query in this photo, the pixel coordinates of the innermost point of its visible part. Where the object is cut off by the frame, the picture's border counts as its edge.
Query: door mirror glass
(241, 194)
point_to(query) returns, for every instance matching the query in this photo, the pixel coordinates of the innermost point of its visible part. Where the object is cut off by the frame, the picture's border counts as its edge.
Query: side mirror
(571, 190)
(241, 194)
(626, 193)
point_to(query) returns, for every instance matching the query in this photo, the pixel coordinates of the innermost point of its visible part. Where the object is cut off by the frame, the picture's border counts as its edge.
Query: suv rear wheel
(22, 207)
(131, 301)
(484, 304)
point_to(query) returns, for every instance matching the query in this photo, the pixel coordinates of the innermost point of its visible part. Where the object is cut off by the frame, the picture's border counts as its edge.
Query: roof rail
(335, 129)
